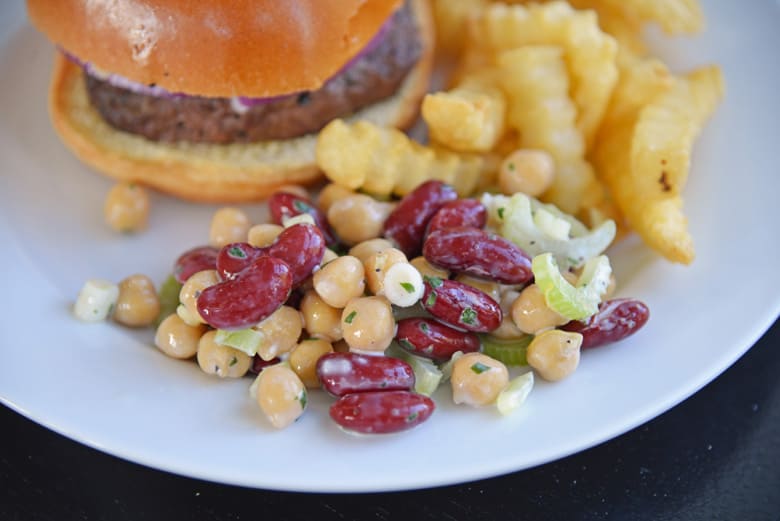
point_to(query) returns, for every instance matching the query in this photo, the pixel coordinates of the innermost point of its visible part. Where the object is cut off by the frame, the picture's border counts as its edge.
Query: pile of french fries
(572, 78)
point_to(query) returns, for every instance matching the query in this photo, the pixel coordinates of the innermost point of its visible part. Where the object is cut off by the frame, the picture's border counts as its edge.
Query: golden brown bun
(213, 173)
(218, 48)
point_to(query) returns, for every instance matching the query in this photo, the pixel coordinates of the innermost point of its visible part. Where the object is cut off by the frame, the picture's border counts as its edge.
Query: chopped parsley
(237, 253)
(233, 361)
(424, 327)
(501, 213)
(350, 317)
(510, 165)
(479, 368)
(408, 286)
(468, 316)
(407, 344)
(301, 206)
(431, 300)
(434, 282)
(303, 398)
(412, 417)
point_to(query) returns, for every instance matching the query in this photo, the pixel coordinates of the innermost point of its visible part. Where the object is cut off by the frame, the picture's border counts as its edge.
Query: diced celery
(515, 393)
(427, 376)
(520, 224)
(574, 303)
(246, 340)
(509, 352)
(446, 367)
(169, 298)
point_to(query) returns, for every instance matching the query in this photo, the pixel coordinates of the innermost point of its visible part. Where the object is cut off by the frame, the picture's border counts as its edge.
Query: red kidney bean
(248, 298)
(405, 227)
(381, 412)
(236, 257)
(258, 364)
(434, 340)
(193, 261)
(479, 253)
(615, 320)
(461, 305)
(301, 246)
(286, 205)
(344, 373)
(463, 212)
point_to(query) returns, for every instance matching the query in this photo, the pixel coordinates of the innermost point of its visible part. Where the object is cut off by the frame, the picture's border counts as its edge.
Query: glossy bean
(381, 412)
(250, 297)
(478, 253)
(406, 225)
(434, 340)
(461, 305)
(301, 246)
(615, 320)
(344, 373)
(193, 261)
(235, 257)
(463, 212)
(284, 205)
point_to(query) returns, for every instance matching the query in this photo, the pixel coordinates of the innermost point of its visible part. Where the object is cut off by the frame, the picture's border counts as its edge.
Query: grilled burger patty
(374, 76)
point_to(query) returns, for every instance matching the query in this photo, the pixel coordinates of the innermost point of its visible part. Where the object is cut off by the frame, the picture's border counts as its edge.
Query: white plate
(108, 388)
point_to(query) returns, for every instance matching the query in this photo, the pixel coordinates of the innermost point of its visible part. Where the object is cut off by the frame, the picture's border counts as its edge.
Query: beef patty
(374, 76)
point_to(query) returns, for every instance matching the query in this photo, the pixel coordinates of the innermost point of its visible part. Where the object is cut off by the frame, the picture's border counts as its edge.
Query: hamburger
(221, 101)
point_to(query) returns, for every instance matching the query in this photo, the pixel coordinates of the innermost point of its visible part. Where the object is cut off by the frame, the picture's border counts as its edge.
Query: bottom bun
(200, 172)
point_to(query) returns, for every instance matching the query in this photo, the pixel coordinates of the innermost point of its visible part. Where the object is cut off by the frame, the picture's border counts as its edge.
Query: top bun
(219, 48)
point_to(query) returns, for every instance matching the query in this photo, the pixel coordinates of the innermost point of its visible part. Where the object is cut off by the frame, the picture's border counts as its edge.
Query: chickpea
(477, 379)
(298, 190)
(191, 290)
(507, 330)
(320, 319)
(281, 331)
(531, 314)
(330, 194)
(220, 360)
(228, 225)
(357, 218)
(490, 288)
(262, 235)
(376, 266)
(368, 324)
(137, 304)
(427, 269)
(367, 248)
(528, 171)
(328, 256)
(303, 359)
(177, 339)
(340, 280)
(281, 395)
(341, 346)
(126, 208)
(555, 354)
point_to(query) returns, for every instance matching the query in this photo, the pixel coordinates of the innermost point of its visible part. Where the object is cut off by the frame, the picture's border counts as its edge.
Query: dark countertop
(715, 456)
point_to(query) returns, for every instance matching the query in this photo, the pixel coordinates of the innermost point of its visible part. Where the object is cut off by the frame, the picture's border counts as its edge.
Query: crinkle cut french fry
(590, 53)
(468, 118)
(537, 86)
(382, 160)
(674, 16)
(638, 161)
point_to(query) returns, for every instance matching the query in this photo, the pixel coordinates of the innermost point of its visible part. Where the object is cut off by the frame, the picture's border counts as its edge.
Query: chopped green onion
(501, 212)
(303, 398)
(237, 253)
(350, 317)
(431, 300)
(435, 282)
(301, 206)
